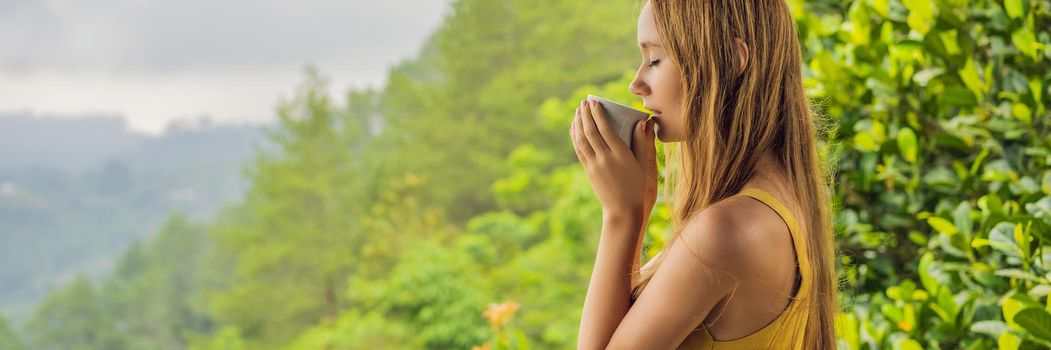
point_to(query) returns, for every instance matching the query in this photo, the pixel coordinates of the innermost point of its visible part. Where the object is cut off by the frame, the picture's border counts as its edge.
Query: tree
(72, 318)
(8, 338)
(157, 294)
(295, 238)
(471, 97)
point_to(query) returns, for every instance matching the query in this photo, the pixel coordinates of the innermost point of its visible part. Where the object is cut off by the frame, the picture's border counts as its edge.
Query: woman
(751, 262)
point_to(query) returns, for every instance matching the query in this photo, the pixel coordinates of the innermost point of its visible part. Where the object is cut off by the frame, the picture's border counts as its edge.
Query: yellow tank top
(785, 331)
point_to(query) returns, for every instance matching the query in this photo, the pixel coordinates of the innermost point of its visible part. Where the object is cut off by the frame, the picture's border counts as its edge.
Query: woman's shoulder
(745, 228)
(742, 215)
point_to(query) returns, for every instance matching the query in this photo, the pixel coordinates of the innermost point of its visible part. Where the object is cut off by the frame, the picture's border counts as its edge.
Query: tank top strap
(773, 203)
(798, 241)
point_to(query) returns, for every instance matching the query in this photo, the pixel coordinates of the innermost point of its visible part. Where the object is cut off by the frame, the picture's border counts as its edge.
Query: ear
(742, 52)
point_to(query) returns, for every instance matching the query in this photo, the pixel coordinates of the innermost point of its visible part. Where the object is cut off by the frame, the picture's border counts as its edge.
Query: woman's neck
(768, 172)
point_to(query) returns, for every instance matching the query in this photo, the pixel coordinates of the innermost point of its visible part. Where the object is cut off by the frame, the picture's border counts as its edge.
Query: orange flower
(482, 347)
(499, 314)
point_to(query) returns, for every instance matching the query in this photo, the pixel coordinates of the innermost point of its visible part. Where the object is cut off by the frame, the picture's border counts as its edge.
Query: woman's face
(658, 81)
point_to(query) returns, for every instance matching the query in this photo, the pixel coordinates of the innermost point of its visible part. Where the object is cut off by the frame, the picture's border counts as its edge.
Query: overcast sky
(158, 60)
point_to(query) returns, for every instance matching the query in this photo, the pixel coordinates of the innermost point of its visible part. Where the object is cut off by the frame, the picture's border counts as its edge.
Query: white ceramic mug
(621, 117)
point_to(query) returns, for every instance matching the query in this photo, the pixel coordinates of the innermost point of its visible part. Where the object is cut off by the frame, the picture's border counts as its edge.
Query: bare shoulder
(737, 232)
(707, 263)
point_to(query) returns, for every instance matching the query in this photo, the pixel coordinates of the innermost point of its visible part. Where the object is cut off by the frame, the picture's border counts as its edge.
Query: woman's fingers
(573, 138)
(638, 141)
(580, 144)
(591, 132)
(604, 127)
(642, 144)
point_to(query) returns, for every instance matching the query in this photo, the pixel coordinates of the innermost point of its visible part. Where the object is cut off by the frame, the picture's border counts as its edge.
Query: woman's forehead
(647, 29)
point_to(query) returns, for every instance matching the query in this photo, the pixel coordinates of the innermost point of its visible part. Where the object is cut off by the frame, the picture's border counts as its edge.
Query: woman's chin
(662, 135)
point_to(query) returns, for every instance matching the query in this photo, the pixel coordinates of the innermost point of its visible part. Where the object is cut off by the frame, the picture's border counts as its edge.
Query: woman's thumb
(650, 139)
(638, 142)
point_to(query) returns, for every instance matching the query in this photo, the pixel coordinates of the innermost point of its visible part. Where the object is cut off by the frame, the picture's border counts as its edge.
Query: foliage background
(466, 221)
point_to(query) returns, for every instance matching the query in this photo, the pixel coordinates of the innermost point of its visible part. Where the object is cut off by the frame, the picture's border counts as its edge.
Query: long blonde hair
(730, 120)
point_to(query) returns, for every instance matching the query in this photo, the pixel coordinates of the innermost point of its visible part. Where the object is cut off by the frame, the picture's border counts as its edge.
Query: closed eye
(654, 62)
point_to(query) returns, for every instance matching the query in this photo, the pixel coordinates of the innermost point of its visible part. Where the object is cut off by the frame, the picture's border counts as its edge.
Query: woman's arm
(637, 253)
(607, 299)
(702, 266)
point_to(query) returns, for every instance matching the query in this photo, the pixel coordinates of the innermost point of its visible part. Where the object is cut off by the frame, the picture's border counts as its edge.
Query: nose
(637, 87)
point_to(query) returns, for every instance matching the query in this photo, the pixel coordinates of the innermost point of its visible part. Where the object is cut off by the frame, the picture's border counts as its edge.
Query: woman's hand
(646, 153)
(619, 175)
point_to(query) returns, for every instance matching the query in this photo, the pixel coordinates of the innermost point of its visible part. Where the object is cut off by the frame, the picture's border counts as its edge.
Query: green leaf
(1021, 240)
(924, 76)
(1014, 8)
(950, 42)
(1045, 183)
(984, 275)
(992, 328)
(1016, 273)
(907, 144)
(999, 170)
(940, 176)
(1008, 341)
(1013, 305)
(1034, 88)
(1040, 209)
(961, 217)
(908, 344)
(990, 204)
(1025, 40)
(928, 281)
(1040, 291)
(1036, 320)
(1021, 112)
(946, 302)
(942, 225)
(860, 25)
(921, 15)
(865, 142)
(1000, 238)
(969, 75)
(892, 312)
(882, 7)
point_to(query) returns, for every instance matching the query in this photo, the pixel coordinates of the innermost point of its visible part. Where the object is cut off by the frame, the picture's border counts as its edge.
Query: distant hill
(68, 144)
(74, 193)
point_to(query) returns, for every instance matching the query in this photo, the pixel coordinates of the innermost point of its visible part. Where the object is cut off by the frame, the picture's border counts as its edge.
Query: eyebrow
(646, 44)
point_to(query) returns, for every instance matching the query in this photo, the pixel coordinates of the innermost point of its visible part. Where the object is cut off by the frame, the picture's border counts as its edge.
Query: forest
(447, 210)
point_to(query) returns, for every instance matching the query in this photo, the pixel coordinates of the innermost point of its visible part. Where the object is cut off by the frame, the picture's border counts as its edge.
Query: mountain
(75, 192)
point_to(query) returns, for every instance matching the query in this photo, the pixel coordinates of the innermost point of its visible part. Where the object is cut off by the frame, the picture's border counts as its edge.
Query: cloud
(152, 35)
(72, 56)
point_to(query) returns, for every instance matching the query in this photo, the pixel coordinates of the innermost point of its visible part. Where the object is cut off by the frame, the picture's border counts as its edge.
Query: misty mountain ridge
(75, 143)
(75, 192)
